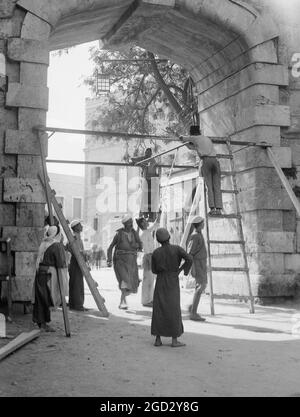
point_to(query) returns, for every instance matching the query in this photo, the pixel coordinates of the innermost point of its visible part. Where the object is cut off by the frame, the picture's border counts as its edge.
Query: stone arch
(230, 48)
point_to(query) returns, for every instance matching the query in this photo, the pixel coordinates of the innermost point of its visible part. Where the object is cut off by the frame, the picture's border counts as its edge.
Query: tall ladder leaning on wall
(237, 215)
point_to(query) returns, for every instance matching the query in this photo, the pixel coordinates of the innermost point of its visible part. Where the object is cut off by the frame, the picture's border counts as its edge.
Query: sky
(67, 96)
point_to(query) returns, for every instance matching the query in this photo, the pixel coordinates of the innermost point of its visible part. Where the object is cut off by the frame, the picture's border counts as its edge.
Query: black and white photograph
(149, 202)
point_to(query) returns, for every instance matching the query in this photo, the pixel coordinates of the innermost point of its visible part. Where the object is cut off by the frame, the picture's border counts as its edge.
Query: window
(77, 207)
(96, 175)
(95, 225)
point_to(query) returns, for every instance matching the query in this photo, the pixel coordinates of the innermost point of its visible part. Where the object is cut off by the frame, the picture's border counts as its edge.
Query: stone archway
(230, 48)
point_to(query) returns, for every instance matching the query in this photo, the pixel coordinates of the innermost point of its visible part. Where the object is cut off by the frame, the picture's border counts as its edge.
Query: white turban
(197, 219)
(75, 222)
(126, 218)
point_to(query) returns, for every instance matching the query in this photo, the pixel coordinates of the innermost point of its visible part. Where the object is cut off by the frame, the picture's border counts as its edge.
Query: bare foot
(197, 317)
(177, 344)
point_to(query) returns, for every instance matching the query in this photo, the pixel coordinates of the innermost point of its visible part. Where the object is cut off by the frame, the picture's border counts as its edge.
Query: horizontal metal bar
(225, 216)
(229, 191)
(227, 242)
(229, 269)
(103, 133)
(122, 164)
(140, 136)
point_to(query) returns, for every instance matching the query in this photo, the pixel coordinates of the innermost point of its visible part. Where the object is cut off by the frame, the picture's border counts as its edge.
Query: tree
(144, 90)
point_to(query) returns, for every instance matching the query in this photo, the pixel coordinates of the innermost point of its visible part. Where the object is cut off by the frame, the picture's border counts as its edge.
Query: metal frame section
(217, 140)
(121, 164)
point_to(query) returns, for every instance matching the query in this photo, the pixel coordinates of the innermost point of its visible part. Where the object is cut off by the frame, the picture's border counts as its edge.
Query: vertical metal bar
(240, 229)
(210, 277)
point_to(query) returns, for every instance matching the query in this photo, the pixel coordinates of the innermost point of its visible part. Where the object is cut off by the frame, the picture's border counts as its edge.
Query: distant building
(70, 195)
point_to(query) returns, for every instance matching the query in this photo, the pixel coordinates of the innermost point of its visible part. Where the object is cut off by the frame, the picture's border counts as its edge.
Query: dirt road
(232, 354)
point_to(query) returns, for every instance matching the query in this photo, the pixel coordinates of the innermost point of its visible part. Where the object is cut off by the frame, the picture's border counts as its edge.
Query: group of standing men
(161, 266)
(52, 263)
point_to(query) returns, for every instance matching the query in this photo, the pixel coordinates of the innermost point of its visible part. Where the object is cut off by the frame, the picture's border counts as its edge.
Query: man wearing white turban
(197, 249)
(50, 262)
(126, 244)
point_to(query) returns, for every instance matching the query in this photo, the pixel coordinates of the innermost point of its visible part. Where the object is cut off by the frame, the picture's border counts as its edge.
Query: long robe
(53, 258)
(76, 284)
(166, 315)
(125, 259)
(197, 249)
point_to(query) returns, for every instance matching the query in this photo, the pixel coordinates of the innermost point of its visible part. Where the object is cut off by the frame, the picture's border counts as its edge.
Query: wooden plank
(284, 181)
(23, 239)
(18, 342)
(83, 267)
(28, 50)
(22, 190)
(23, 142)
(24, 95)
(30, 215)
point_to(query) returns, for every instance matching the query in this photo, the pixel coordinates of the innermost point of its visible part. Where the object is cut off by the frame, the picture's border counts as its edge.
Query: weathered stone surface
(22, 288)
(28, 50)
(24, 95)
(29, 166)
(8, 166)
(233, 120)
(35, 28)
(257, 157)
(33, 74)
(23, 239)
(13, 71)
(282, 242)
(274, 285)
(263, 220)
(262, 74)
(23, 142)
(29, 118)
(289, 221)
(21, 190)
(252, 96)
(25, 263)
(30, 215)
(6, 8)
(9, 118)
(265, 199)
(8, 214)
(292, 262)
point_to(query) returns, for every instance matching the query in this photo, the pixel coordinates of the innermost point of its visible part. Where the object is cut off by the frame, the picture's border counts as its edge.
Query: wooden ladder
(241, 240)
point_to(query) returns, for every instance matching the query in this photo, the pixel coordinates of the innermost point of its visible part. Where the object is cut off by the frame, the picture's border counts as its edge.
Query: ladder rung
(227, 242)
(214, 268)
(225, 216)
(224, 156)
(230, 191)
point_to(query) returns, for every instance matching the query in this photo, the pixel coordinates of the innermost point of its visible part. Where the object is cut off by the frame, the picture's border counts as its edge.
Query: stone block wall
(239, 53)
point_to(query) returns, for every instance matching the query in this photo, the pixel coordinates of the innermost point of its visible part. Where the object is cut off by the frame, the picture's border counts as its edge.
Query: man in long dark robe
(50, 256)
(126, 244)
(197, 249)
(166, 315)
(76, 283)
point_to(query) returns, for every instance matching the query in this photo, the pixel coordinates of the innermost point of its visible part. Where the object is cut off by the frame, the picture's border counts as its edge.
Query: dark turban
(162, 235)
